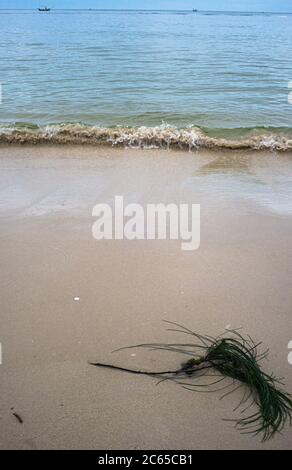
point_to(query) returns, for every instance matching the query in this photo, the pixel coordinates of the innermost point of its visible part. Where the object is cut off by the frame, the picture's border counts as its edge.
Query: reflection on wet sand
(226, 163)
(265, 178)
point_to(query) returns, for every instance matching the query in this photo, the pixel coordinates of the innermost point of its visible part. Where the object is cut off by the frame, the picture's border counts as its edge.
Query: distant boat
(44, 9)
(195, 11)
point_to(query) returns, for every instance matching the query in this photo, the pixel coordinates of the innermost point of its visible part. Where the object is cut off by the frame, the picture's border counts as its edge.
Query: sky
(231, 5)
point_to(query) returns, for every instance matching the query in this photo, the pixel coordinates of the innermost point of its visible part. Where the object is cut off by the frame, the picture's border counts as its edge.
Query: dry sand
(240, 276)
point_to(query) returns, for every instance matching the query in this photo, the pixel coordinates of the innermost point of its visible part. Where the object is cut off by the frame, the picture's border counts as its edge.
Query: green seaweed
(234, 358)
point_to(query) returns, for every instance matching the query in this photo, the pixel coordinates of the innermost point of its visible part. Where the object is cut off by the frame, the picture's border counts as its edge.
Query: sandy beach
(67, 299)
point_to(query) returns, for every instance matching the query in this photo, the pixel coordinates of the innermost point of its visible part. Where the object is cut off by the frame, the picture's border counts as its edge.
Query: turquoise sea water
(225, 74)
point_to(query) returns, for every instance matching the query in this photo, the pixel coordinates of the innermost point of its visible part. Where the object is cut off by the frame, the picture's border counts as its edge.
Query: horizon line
(146, 9)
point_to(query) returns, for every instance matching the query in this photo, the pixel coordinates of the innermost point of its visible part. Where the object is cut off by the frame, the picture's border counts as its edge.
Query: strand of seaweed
(235, 358)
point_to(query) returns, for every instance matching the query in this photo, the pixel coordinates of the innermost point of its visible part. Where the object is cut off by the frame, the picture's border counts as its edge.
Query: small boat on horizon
(195, 11)
(44, 9)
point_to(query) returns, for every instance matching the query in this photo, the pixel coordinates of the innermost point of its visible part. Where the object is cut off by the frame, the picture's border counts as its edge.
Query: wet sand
(241, 276)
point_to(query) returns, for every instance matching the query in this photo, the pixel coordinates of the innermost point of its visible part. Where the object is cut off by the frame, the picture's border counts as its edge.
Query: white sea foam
(164, 136)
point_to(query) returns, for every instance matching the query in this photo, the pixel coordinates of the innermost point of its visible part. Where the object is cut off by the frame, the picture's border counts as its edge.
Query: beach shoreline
(68, 299)
(163, 136)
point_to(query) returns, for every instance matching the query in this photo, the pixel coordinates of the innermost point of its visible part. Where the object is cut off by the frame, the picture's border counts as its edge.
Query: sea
(146, 78)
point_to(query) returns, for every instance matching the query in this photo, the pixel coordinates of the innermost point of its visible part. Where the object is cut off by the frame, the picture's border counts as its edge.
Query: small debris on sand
(18, 417)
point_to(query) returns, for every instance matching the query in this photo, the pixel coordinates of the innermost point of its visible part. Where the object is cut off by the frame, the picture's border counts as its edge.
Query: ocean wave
(164, 136)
